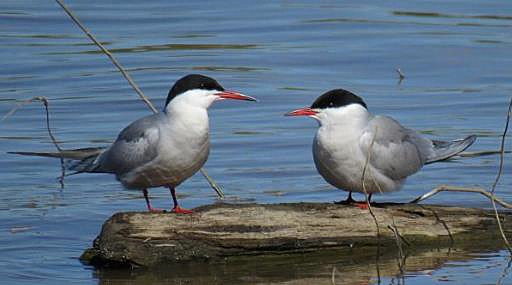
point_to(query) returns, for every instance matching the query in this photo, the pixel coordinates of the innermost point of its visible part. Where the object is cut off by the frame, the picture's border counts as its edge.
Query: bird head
(334, 105)
(201, 91)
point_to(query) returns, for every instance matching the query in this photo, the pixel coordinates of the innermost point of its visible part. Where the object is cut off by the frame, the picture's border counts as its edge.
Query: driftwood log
(238, 231)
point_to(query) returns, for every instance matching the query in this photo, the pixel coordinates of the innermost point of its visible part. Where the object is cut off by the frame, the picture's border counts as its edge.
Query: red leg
(150, 209)
(177, 209)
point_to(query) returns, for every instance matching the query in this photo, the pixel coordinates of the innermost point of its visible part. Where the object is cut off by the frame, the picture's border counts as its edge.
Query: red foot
(361, 205)
(155, 210)
(180, 210)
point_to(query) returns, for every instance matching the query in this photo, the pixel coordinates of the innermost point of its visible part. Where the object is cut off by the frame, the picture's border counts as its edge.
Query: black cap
(192, 81)
(337, 98)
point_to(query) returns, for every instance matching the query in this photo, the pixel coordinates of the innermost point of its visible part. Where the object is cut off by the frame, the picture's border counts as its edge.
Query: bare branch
(401, 75)
(213, 184)
(493, 188)
(449, 188)
(44, 100)
(368, 156)
(505, 272)
(488, 194)
(112, 58)
(502, 148)
(399, 244)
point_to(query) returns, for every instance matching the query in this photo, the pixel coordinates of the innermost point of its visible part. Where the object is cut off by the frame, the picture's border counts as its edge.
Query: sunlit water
(456, 58)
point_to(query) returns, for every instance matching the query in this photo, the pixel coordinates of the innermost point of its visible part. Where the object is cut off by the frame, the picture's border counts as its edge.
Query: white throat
(188, 112)
(353, 115)
(195, 98)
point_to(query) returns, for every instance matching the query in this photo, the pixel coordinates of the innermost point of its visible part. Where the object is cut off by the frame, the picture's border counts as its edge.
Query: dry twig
(333, 275)
(112, 58)
(44, 100)
(449, 188)
(369, 206)
(401, 75)
(488, 194)
(505, 272)
(399, 244)
(493, 188)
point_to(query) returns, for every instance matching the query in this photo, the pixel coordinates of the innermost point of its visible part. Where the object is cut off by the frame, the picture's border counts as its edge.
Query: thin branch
(212, 183)
(449, 188)
(399, 244)
(368, 203)
(502, 156)
(505, 272)
(502, 147)
(112, 58)
(54, 141)
(19, 105)
(488, 194)
(333, 275)
(44, 100)
(401, 75)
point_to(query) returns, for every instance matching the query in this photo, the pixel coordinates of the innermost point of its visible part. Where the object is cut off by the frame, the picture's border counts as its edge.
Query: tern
(162, 149)
(351, 142)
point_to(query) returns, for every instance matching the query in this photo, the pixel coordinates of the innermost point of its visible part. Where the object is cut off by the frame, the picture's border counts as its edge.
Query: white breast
(183, 149)
(338, 156)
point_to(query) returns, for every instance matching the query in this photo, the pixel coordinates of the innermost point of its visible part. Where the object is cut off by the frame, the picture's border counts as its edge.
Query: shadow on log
(230, 233)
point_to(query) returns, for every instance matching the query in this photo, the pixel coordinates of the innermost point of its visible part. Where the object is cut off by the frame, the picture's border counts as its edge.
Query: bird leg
(348, 201)
(150, 209)
(177, 209)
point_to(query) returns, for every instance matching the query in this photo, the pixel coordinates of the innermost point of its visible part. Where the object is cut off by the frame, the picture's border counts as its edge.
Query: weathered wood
(230, 231)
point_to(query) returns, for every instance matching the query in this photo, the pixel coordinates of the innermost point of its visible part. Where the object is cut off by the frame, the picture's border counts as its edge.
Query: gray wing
(136, 145)
(396, 151)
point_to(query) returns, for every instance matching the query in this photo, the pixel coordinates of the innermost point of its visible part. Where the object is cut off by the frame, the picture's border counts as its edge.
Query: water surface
(456, 58)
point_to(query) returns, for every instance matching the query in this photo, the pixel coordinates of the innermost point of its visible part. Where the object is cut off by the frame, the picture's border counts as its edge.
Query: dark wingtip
(470, 139)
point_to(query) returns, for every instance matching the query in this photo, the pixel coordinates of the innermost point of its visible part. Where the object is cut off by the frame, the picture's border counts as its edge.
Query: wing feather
(136, 145)
(396, 152)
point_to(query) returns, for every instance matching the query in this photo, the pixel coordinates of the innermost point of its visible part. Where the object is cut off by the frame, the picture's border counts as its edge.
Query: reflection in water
(442, 15)
(506, 272)
(312, 268)
(175, 47)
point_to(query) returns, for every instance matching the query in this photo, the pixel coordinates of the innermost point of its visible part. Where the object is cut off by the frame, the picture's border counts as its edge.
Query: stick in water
(44, 100)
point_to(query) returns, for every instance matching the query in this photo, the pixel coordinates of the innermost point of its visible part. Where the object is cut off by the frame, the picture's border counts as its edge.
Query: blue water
(456, 58)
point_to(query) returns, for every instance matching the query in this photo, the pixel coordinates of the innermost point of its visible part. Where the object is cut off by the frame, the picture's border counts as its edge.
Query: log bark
(230, 231)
